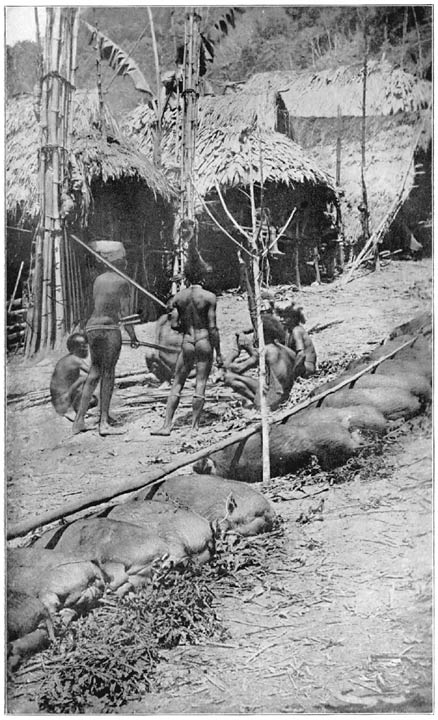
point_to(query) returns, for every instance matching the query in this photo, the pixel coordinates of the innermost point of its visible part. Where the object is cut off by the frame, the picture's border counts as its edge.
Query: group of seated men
(289, 354)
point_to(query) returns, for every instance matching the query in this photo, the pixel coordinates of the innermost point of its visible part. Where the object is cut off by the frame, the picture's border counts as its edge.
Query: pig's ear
(230, 504)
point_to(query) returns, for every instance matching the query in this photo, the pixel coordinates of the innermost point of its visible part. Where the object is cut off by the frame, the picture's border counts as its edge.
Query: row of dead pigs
(68, 569)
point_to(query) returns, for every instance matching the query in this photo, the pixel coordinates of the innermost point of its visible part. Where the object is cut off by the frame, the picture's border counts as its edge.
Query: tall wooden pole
(339, 147)
(364, 211)
(189, 125)
(255, 282)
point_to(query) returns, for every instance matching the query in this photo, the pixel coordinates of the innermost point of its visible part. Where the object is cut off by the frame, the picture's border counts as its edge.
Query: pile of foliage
(110, 657)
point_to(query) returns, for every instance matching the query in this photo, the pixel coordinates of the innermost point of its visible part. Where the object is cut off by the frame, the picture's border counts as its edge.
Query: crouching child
(69, 376)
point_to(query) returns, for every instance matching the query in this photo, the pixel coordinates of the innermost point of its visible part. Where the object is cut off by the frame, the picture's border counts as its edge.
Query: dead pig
(126, 553)
(185, 533)
(233, 505)
(64, 584)
(421, 323)
(359, 417)
(413, 383)
(290, 447)
(29, 626)
(393, 403)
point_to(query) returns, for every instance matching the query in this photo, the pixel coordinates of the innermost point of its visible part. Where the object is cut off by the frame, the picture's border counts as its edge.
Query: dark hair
(272, 329)
(294, 316)
(74, 340)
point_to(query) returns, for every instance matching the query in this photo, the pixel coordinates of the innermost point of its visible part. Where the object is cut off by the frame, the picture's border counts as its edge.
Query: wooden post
(364, 212)
(339, 147)
(189, 124)
(297, 256)
(256, 278)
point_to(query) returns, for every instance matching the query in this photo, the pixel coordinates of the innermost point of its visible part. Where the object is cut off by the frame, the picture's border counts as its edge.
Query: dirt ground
(340, 619)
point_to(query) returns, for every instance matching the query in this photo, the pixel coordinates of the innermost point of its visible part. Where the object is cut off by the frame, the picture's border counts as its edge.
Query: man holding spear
(111, 305)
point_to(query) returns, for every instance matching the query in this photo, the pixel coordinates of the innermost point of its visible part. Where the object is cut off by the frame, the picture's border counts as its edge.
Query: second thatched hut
(241, 140)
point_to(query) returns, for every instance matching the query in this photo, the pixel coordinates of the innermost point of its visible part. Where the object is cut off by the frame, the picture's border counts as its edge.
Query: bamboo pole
(159, 109)
(339, 147)
(110, 492)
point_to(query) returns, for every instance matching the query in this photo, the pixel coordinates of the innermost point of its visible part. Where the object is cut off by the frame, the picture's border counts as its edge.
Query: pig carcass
(63, 583)
(392, 402)
(233, 506)
(290, 447)
(396, 368)
(359, 417)
(420, 324)
(185, 533)
(127, 554)
(29, 626)
(416, 384)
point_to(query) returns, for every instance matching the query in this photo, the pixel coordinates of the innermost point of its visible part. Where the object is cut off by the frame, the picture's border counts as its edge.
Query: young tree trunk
(256, 278)
(364, 213)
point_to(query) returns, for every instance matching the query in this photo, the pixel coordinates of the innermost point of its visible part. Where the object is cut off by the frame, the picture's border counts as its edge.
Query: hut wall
(389, 146)
(127, 211)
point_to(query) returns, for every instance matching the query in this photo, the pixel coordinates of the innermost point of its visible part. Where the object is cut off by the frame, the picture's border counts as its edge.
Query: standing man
(193, 312)
(111, 304)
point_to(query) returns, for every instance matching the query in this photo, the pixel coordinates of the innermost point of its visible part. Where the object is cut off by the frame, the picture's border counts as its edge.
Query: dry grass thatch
(220, 155)
(398, 106)
(390, 90)
(93, 156)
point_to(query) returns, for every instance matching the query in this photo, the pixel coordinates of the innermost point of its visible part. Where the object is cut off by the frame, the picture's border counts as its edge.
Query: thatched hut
(325, 110)
(281, 171)
(117, 194)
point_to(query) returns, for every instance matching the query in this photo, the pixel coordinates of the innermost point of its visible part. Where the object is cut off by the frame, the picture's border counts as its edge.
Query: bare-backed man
(193, 312)
(300, 342)
(111, 304)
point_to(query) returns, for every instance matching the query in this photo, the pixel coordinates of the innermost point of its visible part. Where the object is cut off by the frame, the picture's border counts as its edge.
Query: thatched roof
(220, 156)
(398, 107)
(390, 90)
(94, 157)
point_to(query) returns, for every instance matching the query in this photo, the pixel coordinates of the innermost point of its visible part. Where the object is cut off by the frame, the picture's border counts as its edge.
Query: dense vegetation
(264, 38)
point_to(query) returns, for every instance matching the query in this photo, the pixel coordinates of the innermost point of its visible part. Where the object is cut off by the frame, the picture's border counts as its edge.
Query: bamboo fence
(52, 289)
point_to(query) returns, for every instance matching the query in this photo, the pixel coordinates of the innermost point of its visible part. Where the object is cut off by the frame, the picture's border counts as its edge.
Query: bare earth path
(339, 619)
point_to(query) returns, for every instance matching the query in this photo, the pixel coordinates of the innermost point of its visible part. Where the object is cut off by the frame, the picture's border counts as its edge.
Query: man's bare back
(193, 312)
(195, 307)
(109, 290)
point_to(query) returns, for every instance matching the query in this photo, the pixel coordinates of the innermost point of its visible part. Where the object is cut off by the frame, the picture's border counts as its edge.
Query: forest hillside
(262, 39)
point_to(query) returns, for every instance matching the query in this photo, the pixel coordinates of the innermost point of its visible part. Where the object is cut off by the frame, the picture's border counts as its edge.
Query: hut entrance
(309, 250)
(127, 212)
